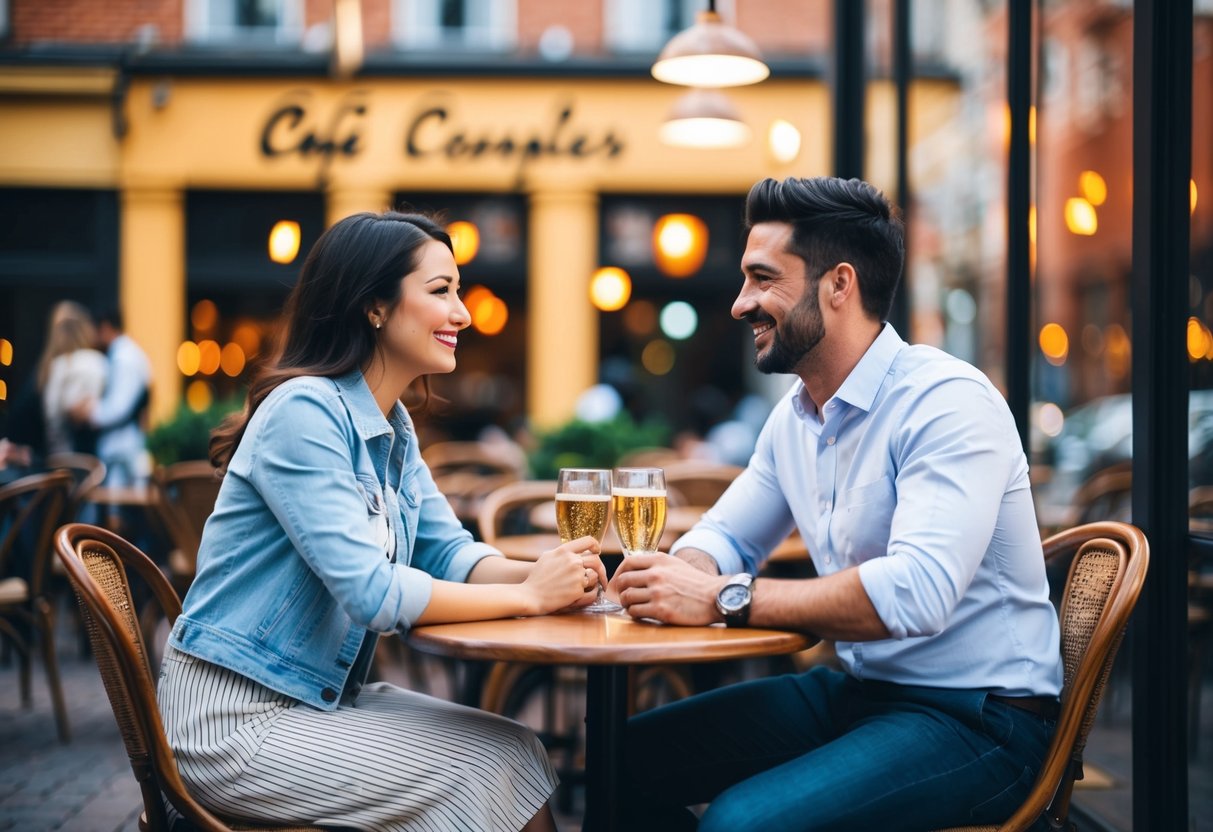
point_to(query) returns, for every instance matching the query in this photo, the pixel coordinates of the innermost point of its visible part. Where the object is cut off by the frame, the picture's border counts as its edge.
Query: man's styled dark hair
(837, 221)
(110, 314)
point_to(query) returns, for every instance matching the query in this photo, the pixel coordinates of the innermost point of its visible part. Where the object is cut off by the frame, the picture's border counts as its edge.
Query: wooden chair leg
(46, 627)
(17, 642)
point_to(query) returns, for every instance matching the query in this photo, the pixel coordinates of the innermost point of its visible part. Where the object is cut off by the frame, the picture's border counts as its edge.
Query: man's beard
(800, 332)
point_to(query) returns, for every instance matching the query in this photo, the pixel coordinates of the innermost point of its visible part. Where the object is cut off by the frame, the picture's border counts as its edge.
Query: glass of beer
(640, 504)
(583, 507)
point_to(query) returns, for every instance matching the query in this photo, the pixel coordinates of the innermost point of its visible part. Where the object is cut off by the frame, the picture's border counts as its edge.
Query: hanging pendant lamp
(710, 54)
(704, 119)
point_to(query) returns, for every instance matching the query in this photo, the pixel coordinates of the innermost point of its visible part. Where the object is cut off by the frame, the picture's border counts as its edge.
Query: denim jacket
(296, 561)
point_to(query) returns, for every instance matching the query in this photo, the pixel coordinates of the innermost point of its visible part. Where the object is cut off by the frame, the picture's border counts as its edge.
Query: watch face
(734, 596)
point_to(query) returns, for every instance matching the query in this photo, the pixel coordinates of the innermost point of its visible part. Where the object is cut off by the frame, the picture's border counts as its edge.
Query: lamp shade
(710, 54)
(704, 119)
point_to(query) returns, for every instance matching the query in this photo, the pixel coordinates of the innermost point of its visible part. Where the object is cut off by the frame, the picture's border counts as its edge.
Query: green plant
(188, 434)
(578, 444)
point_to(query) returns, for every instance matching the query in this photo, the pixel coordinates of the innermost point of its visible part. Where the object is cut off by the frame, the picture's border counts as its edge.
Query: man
(118, 414)
(902, 469)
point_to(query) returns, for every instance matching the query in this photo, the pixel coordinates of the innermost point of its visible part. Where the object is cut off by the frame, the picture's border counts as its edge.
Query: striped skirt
(394, 760)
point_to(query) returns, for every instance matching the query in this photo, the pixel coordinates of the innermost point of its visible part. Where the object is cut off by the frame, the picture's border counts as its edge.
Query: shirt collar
(861, 385)
(368, 419)
(864, 381)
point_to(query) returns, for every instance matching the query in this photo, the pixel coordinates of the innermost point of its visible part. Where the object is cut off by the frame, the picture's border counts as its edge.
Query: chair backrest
(648, 458)
(699, 483)
(185, 495)
(514, 500)
(96, 562)
(30, 509)
(1106, 495)
(87, 472)
(486, 458)
(1106, 575)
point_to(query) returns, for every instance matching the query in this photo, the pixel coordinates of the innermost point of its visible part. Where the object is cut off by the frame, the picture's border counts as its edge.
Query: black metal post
(848, 88)
(1162, 163)
(902, 72)
(605, 721)
(1019, 202)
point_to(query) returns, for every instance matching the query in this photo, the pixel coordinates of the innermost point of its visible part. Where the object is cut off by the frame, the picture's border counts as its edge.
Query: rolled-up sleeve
(953, 468)
(303, 468)
(749, 519)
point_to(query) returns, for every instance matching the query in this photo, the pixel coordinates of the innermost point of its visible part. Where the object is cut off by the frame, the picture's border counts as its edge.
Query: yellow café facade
(152, 137)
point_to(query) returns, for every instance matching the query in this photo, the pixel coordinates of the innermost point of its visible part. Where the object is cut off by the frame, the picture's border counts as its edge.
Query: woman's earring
(378, 324)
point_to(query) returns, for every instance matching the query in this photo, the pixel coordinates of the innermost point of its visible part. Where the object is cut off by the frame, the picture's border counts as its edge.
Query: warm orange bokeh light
(188, 358)
(3, 390)
(1192, 196)
(198, 395)
(1093, 187)
(284, 241)
(658, 357)
(610, 288)
(465, 239)
(6, 352)
(203, 316)
(231, 359)
(640, 318)
(1118, 351)
(209, 356)
(680, 243)
(248, 336)
(1080, 217)
(491, 316)
(1200, 340)
(1054, 343)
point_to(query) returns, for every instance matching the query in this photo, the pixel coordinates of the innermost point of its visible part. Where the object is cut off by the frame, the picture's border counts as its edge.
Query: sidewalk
(84, 786)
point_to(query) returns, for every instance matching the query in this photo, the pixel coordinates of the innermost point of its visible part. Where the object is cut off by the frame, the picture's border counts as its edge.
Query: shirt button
(829, 559)
(328, 694)
(830, 441)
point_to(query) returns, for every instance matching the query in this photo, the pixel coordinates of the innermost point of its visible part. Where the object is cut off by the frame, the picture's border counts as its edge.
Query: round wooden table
(608, 644)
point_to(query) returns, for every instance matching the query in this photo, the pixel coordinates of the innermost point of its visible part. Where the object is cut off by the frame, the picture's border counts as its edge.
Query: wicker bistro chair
(30, 509)
(465, 472)
(185, 495)
(96, 561)
(1105, 578)
(87, 471)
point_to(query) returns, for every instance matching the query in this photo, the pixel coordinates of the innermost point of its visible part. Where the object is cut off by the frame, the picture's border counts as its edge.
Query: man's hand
(667, 589)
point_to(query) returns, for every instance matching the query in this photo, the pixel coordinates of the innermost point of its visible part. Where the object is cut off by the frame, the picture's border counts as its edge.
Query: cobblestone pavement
(83, 786)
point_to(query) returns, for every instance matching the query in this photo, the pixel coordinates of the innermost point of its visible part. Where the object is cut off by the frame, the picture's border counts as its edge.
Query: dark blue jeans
(823, 751)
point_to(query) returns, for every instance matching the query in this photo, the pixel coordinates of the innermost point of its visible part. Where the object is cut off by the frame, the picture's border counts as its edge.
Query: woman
(328, 530)
(71, 372)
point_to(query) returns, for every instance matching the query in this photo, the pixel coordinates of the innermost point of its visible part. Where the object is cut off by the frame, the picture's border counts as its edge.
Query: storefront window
(243, 254)
(645, 25)
(1200, 423)
(489, 234)
(466, 24)
(227, 21)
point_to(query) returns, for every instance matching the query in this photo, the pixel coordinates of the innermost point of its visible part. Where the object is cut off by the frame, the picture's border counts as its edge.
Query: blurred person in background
(118, 414)
(70, 373)
(329, 531)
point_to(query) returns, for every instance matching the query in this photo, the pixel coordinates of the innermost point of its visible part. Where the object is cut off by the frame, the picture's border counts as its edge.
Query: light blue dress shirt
(296, 563)
(914, 474)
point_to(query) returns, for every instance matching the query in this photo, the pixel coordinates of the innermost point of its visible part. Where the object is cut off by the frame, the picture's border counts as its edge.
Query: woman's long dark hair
(356, 264)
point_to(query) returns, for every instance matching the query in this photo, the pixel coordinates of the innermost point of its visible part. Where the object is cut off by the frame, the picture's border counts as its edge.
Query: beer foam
(638, 492)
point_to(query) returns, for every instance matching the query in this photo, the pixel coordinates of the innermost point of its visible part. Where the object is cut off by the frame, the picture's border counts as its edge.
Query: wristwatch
(733, 600)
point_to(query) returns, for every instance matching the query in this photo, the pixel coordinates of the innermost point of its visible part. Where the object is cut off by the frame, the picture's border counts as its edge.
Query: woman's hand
(567, 576)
